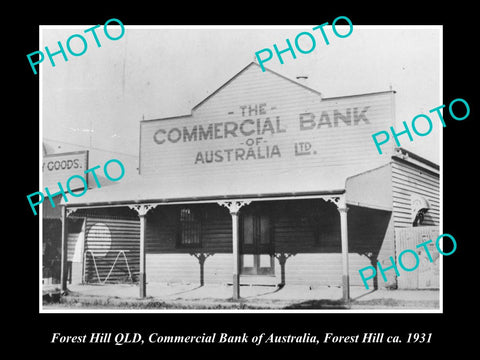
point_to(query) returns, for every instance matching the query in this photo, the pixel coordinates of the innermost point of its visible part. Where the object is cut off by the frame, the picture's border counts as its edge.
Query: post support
(234, 208)
(63, 265)
(64, 268)
(282, 260)
(201, 257)
(142, 211)
(342, 209)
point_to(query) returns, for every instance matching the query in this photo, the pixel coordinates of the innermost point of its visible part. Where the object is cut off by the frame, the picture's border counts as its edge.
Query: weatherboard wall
(409, 179)
(311, 240)
(105, 237)
(292, 129)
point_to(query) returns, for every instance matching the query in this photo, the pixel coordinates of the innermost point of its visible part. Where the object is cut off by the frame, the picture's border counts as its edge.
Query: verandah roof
(202, 186)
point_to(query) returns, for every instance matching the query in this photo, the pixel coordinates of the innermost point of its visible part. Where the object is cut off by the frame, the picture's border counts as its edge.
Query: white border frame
(238, 311)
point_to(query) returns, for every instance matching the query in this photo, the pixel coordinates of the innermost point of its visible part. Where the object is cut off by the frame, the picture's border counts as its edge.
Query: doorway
(256, 243)
(427, 275)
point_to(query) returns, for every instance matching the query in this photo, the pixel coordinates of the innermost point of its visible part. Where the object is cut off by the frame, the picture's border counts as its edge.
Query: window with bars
(189, 229)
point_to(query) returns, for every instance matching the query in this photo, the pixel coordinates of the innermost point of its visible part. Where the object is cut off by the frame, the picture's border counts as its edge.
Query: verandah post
(142, 273)
(64, 255)
(234, 208)
(342, 209)
(236, 256)
(142, 211)
(63, 265)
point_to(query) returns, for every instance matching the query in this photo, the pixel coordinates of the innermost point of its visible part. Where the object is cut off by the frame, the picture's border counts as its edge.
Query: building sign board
(244, 136)
(60, 167)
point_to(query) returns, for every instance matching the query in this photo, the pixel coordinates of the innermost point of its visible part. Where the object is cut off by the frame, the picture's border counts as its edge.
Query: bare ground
(168, 297)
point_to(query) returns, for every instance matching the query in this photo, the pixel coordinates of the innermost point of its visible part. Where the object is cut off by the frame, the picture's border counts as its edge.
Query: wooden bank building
(265, 182)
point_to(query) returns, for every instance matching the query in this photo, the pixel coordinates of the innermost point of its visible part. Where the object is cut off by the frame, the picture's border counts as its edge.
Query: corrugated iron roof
(201, 187)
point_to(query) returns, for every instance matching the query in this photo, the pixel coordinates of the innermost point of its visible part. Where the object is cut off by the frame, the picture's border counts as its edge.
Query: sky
(96, 100)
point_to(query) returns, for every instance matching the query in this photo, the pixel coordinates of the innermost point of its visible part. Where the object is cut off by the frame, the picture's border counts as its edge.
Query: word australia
(219, 130)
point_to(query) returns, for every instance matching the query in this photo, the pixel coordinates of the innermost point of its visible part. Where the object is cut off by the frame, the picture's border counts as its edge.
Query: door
(427, 275)
(256, 245)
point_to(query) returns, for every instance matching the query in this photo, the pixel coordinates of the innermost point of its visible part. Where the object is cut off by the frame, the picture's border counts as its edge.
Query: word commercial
(74, 47)
(401, 263)
(414, 125)
(69, 187)
(300, 44)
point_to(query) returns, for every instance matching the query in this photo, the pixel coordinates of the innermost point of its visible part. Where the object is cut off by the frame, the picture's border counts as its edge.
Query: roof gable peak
(242, 71)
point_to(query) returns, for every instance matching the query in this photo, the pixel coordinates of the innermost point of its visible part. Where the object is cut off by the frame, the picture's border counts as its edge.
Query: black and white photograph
(248, 177)
(260, 185)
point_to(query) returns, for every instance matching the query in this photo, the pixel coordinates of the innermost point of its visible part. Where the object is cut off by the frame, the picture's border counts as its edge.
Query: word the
(303, 49)
(414, 127)
(414, 253)
(78, 50)
(69, 188)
